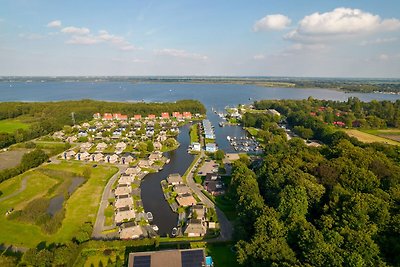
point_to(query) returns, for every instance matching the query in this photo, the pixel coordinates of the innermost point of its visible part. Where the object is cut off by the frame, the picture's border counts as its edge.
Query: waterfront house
(69, 154)
(133, 170)
(122, 189)
(177, 115)
(195, 228)
(97, 157)
(196, 146)
(211, 147)
(155, 156)
(124, 214)
(133, 232)
(145, 163)
(101, 146)
(125, 179)
(200, 212)
(123, 201)
(181, 189)
(157, 146)
(174, 179)
(112, 159)
(187, 115)
(186, 200)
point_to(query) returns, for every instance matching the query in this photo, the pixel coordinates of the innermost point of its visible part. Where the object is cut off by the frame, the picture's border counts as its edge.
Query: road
(99, 227)
(225, 225)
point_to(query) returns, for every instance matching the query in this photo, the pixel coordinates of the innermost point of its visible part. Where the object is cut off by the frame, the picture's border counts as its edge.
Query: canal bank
(151, 192)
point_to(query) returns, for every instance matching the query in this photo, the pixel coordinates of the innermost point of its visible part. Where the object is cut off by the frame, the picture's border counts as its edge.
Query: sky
(304, 38)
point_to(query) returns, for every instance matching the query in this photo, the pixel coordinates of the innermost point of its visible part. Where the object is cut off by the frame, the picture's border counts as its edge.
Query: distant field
(81, 206)
(370, 138)
(393, 134)
(10, 125)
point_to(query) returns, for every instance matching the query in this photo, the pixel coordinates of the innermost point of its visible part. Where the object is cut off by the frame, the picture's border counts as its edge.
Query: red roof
(339, 123)
(107, 116)
(137, 116)
(187, 114)
(176, 115)
(313, 114)
(151, 116)
(165, 115)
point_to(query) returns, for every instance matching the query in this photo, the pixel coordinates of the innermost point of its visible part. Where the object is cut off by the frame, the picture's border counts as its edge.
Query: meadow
(11, 125)
(370, 138)
(45, 182)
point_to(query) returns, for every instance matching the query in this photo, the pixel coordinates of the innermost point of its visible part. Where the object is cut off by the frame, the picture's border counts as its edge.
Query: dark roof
(168, 258)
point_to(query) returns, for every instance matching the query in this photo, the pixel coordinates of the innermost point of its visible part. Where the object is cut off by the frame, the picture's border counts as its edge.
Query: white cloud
(259, 57)
(75, 30)
(54, 24)
(179, 53)
(83, 40)
(340, 23)
(379, 41)
(30, 36)
(272, 22)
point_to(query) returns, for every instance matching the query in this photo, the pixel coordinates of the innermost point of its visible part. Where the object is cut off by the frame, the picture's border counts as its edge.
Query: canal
(151, 193)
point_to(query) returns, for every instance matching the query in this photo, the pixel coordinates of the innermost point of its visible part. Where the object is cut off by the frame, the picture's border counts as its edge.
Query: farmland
(370, 138)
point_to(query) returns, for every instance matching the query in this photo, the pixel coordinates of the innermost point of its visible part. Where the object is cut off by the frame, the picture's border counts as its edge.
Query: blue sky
(346, 38)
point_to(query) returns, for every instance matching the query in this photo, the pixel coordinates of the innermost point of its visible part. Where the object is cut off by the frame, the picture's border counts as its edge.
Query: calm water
(152, 195)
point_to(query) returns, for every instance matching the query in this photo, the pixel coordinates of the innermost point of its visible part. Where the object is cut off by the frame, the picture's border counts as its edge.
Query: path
(99, 227)
(22, 188)
(225, 225)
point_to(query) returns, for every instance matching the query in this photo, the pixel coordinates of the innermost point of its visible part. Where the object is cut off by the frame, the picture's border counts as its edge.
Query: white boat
(229, 138)
(155, 228)
(149, 216)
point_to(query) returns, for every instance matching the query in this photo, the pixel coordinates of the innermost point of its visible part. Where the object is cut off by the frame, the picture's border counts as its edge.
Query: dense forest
(47, 117)
(333, 205)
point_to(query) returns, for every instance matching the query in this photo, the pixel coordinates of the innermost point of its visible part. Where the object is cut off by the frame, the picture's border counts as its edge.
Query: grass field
(11, 158)
(370, 138)
(10, 125)
(81, 206)
(194, 136)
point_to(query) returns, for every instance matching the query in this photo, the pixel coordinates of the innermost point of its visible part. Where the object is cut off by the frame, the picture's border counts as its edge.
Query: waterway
(151, 192)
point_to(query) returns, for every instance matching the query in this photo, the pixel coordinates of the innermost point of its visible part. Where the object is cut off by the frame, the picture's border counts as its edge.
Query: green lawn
(253, 131)
(10, 125)
(222, 254)
(81, 206)
(369, 138)
(194, 137)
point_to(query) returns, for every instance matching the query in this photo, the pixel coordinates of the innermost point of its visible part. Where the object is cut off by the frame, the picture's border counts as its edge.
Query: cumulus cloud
(272, 22)
(341, 22)
(75, 30)
(179, 53)
(54, 24)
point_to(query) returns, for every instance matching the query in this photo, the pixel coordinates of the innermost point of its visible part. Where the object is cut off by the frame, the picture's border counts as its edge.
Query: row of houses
(98, 157)
(208, 130)
(123, 117)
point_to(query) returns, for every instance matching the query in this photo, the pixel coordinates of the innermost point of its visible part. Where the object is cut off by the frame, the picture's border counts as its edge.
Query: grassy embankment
(194, 136)
(81, 206)
(370, 136)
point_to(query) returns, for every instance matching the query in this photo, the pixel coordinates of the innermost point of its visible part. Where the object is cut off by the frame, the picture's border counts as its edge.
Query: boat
(149, 216)
(155, 228)
(229, 138)
(221, 124)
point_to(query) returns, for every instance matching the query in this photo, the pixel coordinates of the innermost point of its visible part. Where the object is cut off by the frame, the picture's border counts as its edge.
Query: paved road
(100, 219)
(225, 225)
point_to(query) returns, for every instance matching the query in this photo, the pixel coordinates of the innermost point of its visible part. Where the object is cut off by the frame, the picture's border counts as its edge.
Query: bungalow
(120, 117)
(122, 189)
(186, 200)
(182, 189)
(196, 146)
(69, 154)
(177, 115)
(165, 115)
(145, 163)
(195, 228)
(157, 146)
(96, 116)
(124, 214)
(58, 135)
(82, 156)
(126, 160)
(85, 146)
(187, 115)
(151, 117)
(211, 147)
(101, 146)
(107, 117)
(137, 117)
(97, 157)
(174, 179)
(339, 123)
(98, 124)
(85, 125)
(112, 159)
(273, 112)
(133, 232)
(125, 179)
(123, 201)
(133, 170)
(155, 156)
(214, 187)
(119, 147)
